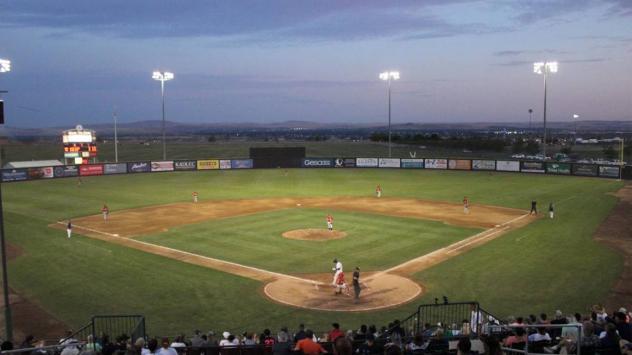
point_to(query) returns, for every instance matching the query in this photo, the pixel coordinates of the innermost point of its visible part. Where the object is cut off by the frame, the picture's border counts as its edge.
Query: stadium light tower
(575, 118)
(162, 77)
(389, 76)
(544, 68)
(5, 66)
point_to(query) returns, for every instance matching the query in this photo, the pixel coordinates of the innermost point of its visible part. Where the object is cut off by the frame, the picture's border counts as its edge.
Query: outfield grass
(542, 267)
(373, 242)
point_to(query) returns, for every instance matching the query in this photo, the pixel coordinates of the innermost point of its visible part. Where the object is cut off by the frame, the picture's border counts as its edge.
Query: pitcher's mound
(314, 234)
(379, 292)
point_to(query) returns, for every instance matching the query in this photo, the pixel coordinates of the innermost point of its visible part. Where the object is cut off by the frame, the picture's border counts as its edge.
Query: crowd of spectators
(594, 333)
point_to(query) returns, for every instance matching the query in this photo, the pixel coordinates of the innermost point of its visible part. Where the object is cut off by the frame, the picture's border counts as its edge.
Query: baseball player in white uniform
(337, 269)
(69, 229)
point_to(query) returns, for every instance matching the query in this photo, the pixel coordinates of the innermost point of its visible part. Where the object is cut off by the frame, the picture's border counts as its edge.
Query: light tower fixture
(163, 76)
(389, 76)
(544, 69)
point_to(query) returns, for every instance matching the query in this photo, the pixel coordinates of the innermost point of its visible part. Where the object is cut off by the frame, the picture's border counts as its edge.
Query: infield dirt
(388, 288)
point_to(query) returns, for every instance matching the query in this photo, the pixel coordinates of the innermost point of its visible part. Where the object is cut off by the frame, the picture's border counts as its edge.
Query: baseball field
(254, 251)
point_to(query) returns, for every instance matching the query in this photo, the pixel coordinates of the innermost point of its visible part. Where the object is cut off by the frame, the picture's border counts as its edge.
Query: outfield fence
(135, 167)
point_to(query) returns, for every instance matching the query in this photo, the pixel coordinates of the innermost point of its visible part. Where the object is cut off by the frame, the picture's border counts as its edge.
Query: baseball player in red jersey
(378, 191)
(105, 211)
(330, 222)
(466, 205)
(341, 284)
(195, 196)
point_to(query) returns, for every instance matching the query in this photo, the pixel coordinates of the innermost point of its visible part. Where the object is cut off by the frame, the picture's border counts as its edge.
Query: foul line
(454, 247)
(252, 268)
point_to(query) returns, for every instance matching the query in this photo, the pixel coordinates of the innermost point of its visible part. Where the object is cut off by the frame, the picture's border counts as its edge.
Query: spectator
(70, 349)
(166, 349)
(417, 344)
(438, 343)
(335, 332)
(373, 330)
(6, 345)
(67, 339)
(532, 319)
(210, 339)
(152, 346)
(464, 347)
(623, 327)
(178, 342)
(300, 335)
(360, 335)
(370, 347)
(342, 346)
(308, 346)
(139, 347)
(266, 338)
(541, 335)
(393, 350)
(610, 342)
(519, 336)
(544, 319)
(249, 339)
(107, 347)
(91, 345)
(476, 319)
(197, 340)
(282, 346)
(29, 342)
(492, 345)
(589, 338)
(559, 319)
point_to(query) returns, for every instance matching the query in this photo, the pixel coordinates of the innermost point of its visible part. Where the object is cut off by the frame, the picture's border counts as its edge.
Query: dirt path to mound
(384, 289)
(616, 232)
(314, 234)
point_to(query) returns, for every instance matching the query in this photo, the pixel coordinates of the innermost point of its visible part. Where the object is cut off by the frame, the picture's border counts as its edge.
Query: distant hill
(154, 128)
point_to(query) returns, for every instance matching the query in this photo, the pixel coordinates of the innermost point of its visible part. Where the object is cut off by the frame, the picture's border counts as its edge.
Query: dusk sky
(73, 61)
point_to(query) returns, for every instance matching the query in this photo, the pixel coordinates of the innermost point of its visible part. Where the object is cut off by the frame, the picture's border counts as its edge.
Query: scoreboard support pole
(8, 320)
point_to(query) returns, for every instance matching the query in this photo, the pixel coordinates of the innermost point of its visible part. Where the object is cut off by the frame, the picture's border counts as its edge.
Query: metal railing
(132, 326)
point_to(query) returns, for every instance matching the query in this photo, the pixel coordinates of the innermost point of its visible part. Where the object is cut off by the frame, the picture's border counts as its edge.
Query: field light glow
(162, 76)
(389, 75)
(541, 67)
(5, 65)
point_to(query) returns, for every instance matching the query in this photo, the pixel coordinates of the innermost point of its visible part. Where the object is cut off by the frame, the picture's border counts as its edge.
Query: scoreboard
(80, 150)
(79, 145)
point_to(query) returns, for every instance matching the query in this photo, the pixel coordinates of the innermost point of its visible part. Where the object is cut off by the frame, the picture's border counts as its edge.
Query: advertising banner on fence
(210, 164)
(388, 163)
(90, 170)
(507, 165)
(345, 163)
(117, 168)
(138, 167)
(558, 168)
(185, 165)
(224, 164)
(41, 173)
(366, 162)
(459, 164)
(585, 169)
(14, 175)
(609, 171)
(412, 163)
(436, 163)
(161, 166)
(532, 167)
(483, 164)
(241, 164)
(66, 171)
(317, 163)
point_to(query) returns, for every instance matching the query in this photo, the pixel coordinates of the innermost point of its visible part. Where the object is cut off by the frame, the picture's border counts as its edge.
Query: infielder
(378, 191)
(69, 229)
(551, 210)
(195, 196)
(105, 211)
(330, 222)
(466, 205)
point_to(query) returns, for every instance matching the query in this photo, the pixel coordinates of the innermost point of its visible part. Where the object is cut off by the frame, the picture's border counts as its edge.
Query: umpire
(356, 283)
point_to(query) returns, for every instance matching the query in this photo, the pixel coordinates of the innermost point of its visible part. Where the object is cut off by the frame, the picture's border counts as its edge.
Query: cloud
(241, 21)
(516, 63)
(620, 7)
(514, 53)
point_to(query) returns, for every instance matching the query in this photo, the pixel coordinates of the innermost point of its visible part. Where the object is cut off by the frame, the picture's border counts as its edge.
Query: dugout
(277, 157)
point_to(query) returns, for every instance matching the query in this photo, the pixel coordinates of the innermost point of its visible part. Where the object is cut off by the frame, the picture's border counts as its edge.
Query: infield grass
(547, 265)
(373, 242)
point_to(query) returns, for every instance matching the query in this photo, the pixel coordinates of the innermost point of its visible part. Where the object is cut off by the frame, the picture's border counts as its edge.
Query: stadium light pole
(389, 76)
(530, 115)
(575, 117)
(115, 137)
(162, 77)
(545, 68)
(621, 165)
(5, 66)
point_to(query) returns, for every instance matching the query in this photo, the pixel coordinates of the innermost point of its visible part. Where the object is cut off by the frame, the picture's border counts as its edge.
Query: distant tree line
(434, 140)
